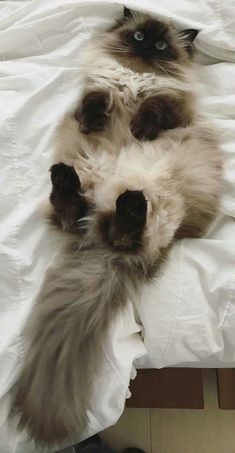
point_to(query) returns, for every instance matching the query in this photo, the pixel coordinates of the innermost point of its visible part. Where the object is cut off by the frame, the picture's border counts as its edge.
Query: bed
(185, 317)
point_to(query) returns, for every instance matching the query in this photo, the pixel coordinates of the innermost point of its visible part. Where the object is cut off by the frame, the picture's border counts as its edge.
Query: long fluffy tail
(65, 333)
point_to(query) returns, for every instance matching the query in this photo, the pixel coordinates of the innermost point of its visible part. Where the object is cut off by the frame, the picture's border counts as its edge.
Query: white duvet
(188, 313)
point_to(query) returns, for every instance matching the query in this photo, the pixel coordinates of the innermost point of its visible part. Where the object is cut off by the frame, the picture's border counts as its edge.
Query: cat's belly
(94, 155)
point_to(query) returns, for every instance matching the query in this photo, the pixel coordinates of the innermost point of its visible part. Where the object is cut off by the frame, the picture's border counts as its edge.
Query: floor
(177, 431)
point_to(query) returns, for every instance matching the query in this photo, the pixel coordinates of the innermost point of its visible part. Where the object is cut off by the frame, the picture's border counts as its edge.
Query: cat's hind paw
(64, 177)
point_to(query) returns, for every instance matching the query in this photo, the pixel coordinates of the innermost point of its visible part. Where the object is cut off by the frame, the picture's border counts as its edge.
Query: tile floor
(177, 431)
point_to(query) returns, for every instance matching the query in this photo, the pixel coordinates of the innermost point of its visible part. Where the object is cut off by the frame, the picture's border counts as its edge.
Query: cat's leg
(161, 112)
(66, 198)
(123, 229)
(197, 222)
(94, 112)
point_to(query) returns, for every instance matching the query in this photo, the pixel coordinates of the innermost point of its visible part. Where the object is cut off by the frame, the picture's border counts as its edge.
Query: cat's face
(149, 44)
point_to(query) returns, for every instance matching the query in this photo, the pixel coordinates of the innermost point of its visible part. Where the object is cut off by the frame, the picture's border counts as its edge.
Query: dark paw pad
(93, 115)
(64, 177)
(146, 124)
(131, 208)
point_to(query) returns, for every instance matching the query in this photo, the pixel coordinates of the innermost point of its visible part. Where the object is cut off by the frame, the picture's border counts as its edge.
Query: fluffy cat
(132, 198)
(138, 83)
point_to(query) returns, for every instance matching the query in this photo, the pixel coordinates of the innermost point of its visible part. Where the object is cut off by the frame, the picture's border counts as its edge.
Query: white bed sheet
(188, 312)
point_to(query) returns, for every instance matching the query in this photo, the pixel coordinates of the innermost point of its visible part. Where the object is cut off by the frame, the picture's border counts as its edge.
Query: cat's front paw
(145, 125)
(94, 113)
(64, 177)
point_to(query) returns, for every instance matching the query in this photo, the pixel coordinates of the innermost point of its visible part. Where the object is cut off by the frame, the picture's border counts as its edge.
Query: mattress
(186, 316)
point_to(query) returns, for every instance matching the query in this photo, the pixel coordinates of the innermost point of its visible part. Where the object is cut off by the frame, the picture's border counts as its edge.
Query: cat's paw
(64, 177)
(126, 226)
(68, 203)
(145, 125)
(131, 209)
(94, 113)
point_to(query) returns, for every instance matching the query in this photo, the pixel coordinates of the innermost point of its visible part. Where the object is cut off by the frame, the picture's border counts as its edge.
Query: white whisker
(117, 49)
(166, 69)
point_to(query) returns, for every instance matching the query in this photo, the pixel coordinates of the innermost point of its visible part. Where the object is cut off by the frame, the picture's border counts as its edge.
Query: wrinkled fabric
(188, 311)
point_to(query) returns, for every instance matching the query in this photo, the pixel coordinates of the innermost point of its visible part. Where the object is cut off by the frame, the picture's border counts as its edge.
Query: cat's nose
(148, 51)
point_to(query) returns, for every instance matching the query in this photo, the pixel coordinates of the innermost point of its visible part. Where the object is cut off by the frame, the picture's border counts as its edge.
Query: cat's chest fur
(129, 84)
(104, 72)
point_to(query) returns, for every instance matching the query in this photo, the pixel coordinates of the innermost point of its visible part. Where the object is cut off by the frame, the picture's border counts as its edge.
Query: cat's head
(146, 44)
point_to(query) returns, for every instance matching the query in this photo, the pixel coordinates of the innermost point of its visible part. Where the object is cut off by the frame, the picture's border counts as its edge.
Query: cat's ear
(188, 37)
(190, 34)
(128, 13)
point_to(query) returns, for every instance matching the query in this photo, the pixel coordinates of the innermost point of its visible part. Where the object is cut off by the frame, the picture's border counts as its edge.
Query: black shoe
(92, 445)
(133, 450)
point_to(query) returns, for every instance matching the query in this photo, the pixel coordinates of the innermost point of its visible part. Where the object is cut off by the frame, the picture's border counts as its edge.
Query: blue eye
(139, 36)
(161, 45)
